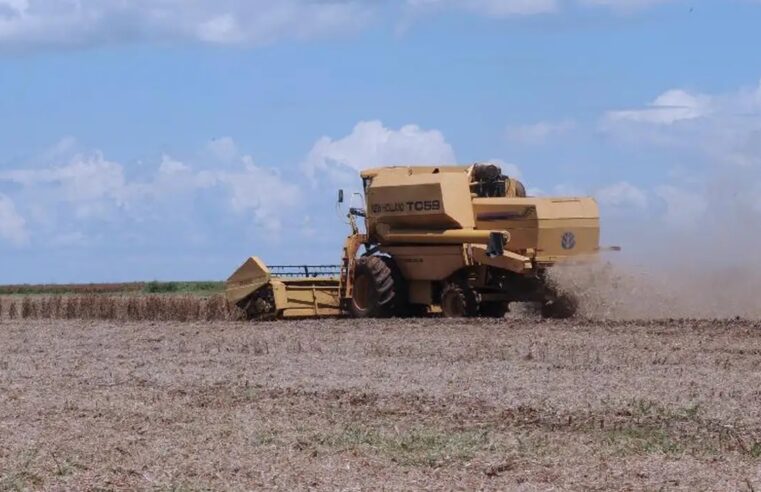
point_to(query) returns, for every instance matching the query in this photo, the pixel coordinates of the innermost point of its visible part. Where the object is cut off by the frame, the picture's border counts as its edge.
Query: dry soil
(518, 404)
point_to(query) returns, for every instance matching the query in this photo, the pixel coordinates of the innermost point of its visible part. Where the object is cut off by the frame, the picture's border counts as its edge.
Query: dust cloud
(709, 269)
(613, 290)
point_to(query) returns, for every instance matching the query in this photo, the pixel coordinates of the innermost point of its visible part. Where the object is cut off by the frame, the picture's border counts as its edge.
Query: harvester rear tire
(561, 307)
(376, 291)
(459, 301)
(496, 309)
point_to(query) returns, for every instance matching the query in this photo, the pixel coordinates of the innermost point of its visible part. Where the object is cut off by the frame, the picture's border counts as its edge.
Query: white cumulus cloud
(624, 5)
(77, 23)
(723, 128)
(491, 8)
(87, 189)
(86, 22)
(537, 133)
(670, 107)
(262, 191)
(714, 141)
(89, 183)
(684, 208)
(223, 148)
(12, 225)
(370, 144)
(622, 195)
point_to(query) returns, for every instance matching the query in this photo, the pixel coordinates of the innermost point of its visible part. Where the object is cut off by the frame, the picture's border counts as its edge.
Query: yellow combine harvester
(462, 240)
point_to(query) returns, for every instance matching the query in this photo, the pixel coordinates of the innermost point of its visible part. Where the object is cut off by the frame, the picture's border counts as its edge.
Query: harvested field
(399, 404)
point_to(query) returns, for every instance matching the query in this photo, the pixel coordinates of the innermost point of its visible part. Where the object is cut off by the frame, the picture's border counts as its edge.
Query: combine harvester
(462, 240)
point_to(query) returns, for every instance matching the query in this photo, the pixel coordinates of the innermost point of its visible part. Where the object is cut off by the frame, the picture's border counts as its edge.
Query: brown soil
(514, 404)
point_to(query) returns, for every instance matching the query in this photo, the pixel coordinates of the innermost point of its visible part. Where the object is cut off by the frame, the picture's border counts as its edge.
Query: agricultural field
(519, 404)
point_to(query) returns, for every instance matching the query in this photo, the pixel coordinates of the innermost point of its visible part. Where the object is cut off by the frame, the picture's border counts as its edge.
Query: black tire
(416, 311)
(560, 307)
(494, 309)
(377, 289)
(459, 301)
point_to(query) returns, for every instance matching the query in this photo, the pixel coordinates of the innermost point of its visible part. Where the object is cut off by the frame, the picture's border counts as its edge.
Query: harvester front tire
(459, 301)
(375, 293)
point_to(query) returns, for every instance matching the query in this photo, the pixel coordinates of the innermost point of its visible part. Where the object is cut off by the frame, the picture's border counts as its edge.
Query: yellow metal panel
(280, 294)
(447, 236)
(251, 276)
(568, 237)
(410, 170)
(311, 313)
(295, 297)
(308, 297)
(421, 292)
(440, 200)
(556, 227)
(508, 261)
(427, 262)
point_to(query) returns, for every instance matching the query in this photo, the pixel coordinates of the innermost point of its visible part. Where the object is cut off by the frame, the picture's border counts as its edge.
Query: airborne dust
(709, 268)
(621, 291)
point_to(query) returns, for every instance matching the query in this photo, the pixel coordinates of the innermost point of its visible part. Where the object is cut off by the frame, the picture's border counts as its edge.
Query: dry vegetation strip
(197, 287)
(110, 288)
(395, 404)
(122, 308)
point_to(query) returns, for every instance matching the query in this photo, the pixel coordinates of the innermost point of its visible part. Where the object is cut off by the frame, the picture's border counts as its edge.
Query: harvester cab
(461, 240)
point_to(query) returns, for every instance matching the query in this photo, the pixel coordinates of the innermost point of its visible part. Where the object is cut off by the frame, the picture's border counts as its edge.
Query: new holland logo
(568, 241)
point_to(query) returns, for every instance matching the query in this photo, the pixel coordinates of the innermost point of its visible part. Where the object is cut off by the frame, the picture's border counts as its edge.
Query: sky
(171, 139)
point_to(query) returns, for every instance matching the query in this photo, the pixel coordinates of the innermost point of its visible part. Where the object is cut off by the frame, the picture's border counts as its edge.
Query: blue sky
(170, 139)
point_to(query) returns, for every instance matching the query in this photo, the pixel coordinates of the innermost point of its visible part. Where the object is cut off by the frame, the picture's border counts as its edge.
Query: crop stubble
(401, 404)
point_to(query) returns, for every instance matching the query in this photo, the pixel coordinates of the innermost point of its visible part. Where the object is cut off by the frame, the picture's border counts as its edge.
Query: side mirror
(340, 196)
(496, 245)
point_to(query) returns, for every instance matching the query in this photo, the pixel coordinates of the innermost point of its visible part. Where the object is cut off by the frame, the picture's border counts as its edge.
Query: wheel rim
(453, 306)
(362, 292)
